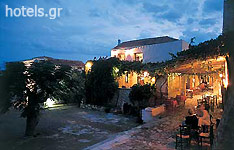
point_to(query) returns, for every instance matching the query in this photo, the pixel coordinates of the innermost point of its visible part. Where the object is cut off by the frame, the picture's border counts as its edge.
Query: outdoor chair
(207, 135)
(184, 136)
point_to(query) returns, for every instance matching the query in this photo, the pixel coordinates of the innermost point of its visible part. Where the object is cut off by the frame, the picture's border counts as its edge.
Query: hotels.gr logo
(52, 13)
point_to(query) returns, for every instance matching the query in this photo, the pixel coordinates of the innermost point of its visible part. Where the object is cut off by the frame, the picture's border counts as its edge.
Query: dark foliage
(71, 89)
(100, 85)
(204, 50)
(140, 95)
(27, 87)
(12, 85)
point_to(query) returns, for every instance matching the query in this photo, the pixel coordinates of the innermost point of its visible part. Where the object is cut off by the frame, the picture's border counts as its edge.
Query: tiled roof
(142, 42)
(65, 62)
(58, 61)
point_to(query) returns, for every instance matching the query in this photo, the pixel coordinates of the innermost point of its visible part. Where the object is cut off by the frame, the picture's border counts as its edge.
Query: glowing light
(146, 74)
(116, 70)
(49, 102)
(225, 83)
(193, 80)
(88, 66)
(220, 75)
(129, 52)
(226, 76)
(153, 79)
(114, 53)
(221, 59)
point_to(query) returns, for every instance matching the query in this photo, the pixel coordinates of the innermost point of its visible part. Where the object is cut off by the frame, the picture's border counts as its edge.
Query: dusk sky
(89, 28)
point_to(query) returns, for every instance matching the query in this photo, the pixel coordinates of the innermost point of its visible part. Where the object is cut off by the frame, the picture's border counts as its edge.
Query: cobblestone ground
(62, 128)
(157, 135)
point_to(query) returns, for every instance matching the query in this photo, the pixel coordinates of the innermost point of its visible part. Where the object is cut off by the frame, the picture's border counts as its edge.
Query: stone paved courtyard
(73, 129)
(156, 135)
(66, 128)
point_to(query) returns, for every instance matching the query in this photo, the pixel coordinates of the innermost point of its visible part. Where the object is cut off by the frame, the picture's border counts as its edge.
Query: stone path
(159, 134)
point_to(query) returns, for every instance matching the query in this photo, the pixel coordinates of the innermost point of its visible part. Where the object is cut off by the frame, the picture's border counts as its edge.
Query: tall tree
(100, 83)
(26, 88)
(12, 85)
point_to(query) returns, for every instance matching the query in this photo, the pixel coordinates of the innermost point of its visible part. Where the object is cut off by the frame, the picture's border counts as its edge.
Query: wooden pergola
(190, 73)
(207, 66)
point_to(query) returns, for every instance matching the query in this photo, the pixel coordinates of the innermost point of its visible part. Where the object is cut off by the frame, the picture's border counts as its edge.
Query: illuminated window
(138, 56)
(121, 56)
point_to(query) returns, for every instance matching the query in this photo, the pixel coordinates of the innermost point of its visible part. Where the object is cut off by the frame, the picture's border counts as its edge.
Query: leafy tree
(26, 88)
(140, 94)
(100, 85)
(72, 87)
(12, 85)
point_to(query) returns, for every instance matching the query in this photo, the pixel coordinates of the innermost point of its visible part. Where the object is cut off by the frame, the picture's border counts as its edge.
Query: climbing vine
(205, 50)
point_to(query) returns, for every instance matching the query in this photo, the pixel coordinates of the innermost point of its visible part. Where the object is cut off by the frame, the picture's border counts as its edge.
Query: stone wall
(121, 97)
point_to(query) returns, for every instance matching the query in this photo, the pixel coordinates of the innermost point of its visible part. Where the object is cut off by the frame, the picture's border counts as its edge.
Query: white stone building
(149, 50)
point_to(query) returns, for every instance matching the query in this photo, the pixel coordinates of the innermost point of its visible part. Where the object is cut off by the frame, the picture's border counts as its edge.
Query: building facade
(145, 50)
(149, 50)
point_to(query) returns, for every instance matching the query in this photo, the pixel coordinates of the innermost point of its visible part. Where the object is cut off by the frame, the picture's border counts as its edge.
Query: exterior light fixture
(146, 74)
(49, 102)
(88, 66)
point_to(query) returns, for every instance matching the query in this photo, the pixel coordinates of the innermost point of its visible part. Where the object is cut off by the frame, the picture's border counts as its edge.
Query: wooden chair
(207, 135)
(184, 136)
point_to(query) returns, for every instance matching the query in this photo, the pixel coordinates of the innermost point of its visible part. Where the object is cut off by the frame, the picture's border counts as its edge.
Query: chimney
(119, 41)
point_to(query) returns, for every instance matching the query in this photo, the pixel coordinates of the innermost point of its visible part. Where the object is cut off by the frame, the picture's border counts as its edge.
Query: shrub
(140, 95)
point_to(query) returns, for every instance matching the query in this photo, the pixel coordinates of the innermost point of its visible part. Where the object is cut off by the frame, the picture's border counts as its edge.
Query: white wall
(154, 53)
(129, 53)
(160, 52)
